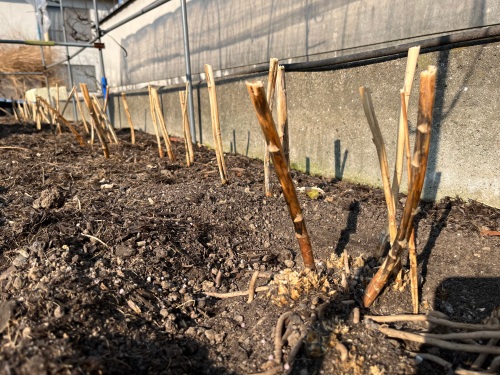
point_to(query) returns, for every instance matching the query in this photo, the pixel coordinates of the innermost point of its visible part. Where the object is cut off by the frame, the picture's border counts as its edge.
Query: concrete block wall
(329, 134)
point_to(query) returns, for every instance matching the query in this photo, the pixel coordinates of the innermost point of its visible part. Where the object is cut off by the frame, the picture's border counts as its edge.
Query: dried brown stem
(214, 110)
(251, 287)
(70, 96)
(278, 337)
(432, 319)
(419, 167)
(235, 294)
(60, 118)
(439, 343)
(479, 361)
(271, 84)
(95, 119)
(464, 335)
(163, 126)
(257, 95)
(432, 358)
(129, 118)
(79, 106)
(411, 65)
(155, 124)
(378, 140)
(106, 124)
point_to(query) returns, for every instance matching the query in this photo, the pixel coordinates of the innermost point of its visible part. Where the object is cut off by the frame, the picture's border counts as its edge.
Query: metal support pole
(187, 57)
(40, 28)
(101, 58)
(70, 73)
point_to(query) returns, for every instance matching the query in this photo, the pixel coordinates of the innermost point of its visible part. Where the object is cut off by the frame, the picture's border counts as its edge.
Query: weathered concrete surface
(329, 134)
(233, 33)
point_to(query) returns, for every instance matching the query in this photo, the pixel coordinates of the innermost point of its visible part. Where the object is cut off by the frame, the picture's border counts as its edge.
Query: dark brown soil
(104, 264)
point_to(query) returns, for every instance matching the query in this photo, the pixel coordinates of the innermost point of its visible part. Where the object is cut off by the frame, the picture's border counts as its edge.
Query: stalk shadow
(345, 234)
(340, 160)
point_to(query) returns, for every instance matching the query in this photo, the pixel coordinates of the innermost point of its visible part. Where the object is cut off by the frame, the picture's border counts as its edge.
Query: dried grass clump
(22, 58)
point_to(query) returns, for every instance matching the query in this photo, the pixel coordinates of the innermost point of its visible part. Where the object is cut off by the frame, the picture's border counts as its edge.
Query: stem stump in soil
(129, 118)
(259, 101)
(214, 110)
(95, 119)
(418, 169)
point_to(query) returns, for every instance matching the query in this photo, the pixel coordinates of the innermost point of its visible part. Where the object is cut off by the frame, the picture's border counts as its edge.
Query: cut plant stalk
(271, 85)
(214, 110)
(155, 125)
(14, 111)
(95, 119)
(102, 121)
(282, 112)
(411, 65)
(104, 118)
(38, 115)
(382, 158)
(79, 106)
(259, 101)
(72, 92)
(57, 109)
(129, 118)
(163, 126)
(412, 251)
(419, 167)
(60, 118)
(185, 125)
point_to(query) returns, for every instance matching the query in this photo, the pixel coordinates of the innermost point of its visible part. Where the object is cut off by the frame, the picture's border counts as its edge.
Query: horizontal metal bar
(21, 74)
(51, 43)
(104, 32)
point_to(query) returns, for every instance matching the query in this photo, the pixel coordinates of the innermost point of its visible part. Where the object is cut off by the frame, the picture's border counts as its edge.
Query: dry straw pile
(22, 58)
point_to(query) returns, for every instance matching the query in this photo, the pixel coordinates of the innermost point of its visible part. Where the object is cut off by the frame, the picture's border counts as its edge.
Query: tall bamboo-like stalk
(60, 118)
(71, 93)
(411, 65)
(79, 106)
(129, 118)
(95, 119)
(382, 158)
(214, 110)
(260, 103)
(271, 85)
(282, 112)
(105, 123)
(155, 124)
(162, 125)
(418, 169)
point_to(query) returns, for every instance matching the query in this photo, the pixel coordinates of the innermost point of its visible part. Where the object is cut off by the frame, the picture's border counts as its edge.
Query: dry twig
(251, 287)
(432, 319)
(235, 294)
(437, 342)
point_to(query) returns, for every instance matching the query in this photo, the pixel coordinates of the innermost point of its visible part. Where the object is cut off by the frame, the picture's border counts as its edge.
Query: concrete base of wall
(329, 134)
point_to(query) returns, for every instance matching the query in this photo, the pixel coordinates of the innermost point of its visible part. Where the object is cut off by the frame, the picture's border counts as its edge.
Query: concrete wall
(329, 134)
(232, 33)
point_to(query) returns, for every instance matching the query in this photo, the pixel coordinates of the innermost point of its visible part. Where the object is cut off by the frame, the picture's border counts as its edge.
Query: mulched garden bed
(105, 263)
